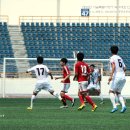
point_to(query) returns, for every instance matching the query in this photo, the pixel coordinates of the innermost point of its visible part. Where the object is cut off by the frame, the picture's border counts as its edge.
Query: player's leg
(63, 100)
(37, 89)
(100, 95)
(48, 87)
(81, 97)
(121, 84)
(64, 90)
(117, 99)
(112, 98)
(91, 102)
(83, 90)
(112, 95)
(98, 90)
(87, 97)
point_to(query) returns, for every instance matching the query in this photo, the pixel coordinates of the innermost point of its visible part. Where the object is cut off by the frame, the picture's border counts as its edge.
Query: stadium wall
(16, 8)
(24, 87)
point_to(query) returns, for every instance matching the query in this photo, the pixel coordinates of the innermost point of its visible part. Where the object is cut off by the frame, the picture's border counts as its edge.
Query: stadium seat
(97, 38)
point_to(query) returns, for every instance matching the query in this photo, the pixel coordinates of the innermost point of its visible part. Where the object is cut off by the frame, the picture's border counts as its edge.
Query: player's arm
(112, 72)
(75, 76)
(50, 74)
(30, 70)
(58, 77)
(75, 72)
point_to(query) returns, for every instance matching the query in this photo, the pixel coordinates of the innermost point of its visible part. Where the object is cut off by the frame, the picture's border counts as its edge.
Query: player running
(42, 73)
(117, 79)
(81, 74)
(94, 81)
(66, 83)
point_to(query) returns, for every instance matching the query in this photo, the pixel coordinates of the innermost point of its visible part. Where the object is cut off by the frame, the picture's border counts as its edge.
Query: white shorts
(65, 87)
(93, 86)
(117, 84)
(83, 86)
(44, 86)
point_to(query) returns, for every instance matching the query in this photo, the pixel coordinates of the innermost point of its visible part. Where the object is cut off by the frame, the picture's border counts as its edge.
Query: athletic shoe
(114, 110)
(81, 107)
(94, 107)
(66, 106)
(29, 108)
(123, 110)
(73, 101)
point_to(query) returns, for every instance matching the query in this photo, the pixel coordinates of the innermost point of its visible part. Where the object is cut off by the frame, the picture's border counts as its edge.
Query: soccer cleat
(114, 110)
(66, 106)
(29, 108)
(73, 101)
(94, 108)
(123, 110)
(81, 107)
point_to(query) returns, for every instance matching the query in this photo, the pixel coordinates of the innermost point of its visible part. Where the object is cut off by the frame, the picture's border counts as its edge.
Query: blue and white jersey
(94, 76)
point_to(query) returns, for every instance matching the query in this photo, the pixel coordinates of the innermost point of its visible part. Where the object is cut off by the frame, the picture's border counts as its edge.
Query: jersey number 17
(40, 71)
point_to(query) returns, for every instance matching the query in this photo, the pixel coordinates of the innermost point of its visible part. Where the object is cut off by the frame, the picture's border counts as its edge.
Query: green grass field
(47, 115)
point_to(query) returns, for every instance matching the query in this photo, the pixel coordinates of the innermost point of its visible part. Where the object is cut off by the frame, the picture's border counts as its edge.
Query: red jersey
(66, 72)
(82, 69)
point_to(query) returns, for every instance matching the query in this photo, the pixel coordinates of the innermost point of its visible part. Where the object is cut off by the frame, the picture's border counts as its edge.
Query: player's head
(39, 59)
(80, 56)
(63, 61)
(114, 49)
(92, 66)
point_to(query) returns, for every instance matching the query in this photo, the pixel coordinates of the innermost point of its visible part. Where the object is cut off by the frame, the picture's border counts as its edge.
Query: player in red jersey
(82, 72)
(66, 83)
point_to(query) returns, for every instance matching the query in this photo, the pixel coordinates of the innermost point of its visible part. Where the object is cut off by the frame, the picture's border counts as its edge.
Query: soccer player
(42, 73)
(66, 83)
(117, 79)
(94, 79)
(81, 74)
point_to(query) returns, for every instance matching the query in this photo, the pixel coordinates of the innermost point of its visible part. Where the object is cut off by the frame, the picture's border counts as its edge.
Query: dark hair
(80, 56)
(64, 60)
(92, 65)
(39, 59)
(114, 49)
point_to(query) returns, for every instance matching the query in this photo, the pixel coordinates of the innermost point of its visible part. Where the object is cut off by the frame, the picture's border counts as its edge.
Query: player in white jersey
(42, 73)
(117, 78)
(94, 81)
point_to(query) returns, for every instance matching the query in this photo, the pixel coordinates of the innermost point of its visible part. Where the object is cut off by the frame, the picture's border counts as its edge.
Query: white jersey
(94, 76)
(41, 72)
(119, 66)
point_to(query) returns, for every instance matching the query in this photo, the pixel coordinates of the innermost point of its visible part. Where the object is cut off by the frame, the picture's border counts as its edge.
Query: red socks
(81, 99)
(90, 101)
(68, 97)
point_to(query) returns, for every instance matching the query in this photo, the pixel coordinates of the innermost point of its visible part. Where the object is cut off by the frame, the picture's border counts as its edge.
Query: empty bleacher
(5, 47)
(57, 40)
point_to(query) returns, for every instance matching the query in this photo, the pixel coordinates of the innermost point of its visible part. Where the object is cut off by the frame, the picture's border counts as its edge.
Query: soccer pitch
(47, 115)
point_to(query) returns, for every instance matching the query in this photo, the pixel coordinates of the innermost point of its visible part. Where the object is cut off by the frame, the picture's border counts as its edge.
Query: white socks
(112, 98)
(101, 97)
(33, 97)
(57, 96)
(121, 99)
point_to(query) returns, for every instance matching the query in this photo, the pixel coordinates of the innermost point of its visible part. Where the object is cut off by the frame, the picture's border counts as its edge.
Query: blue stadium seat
(96, 38)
